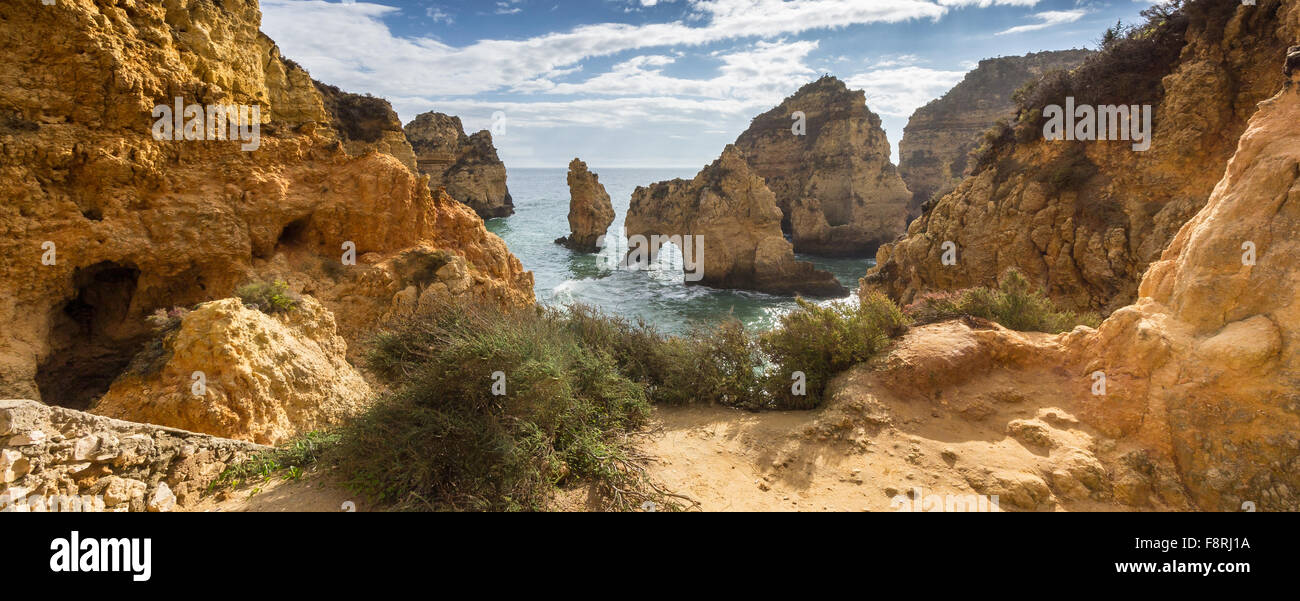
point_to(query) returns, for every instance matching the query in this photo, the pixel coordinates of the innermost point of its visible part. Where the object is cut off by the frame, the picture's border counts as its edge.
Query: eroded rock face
(467, 166)
(366, 123)
(730, 208)
(263, 378)
(837, 190)
(1084, 220)
(1205, 368)
(590, 210)
(84, 462)
(105, 224)
(939, 136)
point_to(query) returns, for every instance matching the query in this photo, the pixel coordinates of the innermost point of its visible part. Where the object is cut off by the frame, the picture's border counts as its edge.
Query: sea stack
(729, 207)
(466, 166)
(824, 155)
(590, 211)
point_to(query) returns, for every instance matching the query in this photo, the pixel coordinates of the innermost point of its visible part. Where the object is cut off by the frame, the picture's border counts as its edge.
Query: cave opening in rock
(294, 234)
(92, 336)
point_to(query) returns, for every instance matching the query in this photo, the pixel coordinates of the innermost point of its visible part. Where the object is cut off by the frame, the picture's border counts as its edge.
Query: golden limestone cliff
(467, 166)
(1205, 367)
(111, 213)
(1187, 399)
(728, 227)
(824, 155)
(1084, 219)
(940, 135)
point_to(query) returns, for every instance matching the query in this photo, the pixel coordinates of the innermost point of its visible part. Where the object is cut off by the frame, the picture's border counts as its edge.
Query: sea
(661, 296)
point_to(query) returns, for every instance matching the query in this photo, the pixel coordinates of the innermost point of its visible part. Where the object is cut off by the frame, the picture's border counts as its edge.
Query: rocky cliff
(824, 155)
(939, 136)
(467, 166)
(365, 123)
(590, 210)
(1187, 399)
(1205, 367)
(734, 217)
(1085, 219)
(105, 223)
(262, 378)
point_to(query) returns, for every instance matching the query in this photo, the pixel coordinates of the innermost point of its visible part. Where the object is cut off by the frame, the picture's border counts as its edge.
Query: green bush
(1016, 304)
(578, 385)
(268, 297)
(443, 440)
(821, 341)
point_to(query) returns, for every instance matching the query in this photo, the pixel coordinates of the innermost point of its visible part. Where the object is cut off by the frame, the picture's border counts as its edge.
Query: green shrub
(578, 385)
(821, 341)
(268, 297)
(1016, 304)
(443, 440)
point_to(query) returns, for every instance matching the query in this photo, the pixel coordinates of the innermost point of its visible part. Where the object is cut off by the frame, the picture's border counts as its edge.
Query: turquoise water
(660, 297)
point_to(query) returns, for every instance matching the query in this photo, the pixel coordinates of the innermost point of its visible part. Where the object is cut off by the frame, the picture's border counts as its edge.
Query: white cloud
(898, 92)
(1048, 19)
(374, 60)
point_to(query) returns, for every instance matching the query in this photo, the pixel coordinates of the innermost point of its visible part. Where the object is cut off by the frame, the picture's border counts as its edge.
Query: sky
(659, 83)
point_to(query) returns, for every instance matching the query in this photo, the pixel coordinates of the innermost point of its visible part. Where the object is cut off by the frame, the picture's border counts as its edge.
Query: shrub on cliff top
(821, 341)
(1016, 304)
(268, 297)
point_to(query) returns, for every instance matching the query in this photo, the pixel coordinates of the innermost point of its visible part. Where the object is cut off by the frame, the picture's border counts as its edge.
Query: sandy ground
(315, 492)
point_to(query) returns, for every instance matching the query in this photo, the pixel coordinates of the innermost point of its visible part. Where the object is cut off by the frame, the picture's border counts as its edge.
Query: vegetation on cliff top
(1015, 304)
(1131, 63)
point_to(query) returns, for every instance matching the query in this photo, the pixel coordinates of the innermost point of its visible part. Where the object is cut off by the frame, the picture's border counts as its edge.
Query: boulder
(237, 372)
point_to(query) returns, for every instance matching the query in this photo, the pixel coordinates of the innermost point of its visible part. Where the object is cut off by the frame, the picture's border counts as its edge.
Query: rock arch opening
(92, 336)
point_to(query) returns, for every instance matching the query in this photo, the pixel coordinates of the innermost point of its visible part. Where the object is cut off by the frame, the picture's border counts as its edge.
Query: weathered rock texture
(1189, 398)
(57, 459)
(467, 166)
(940, 135)
(730, 208)
(590, 211)
(1205, 368)
(837, 190)
(137, 224)
(366, 123)
(266, 378)
(1084, 220)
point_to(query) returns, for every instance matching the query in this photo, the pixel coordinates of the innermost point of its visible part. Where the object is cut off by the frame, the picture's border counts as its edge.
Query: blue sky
(659, 83)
